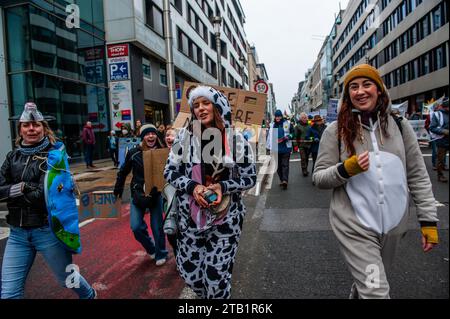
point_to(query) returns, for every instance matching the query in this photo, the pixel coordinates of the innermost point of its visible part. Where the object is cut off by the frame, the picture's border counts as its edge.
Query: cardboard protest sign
(247, 107)
(154, 164)
(99, 205)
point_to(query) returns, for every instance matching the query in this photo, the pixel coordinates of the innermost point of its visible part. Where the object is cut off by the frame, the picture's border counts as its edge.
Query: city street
(287, 250)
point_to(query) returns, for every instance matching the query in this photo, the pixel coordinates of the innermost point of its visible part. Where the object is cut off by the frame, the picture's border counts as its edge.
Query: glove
(431, 234)
(118, 192)
(352, 167)
(142, 201)
(29, 187)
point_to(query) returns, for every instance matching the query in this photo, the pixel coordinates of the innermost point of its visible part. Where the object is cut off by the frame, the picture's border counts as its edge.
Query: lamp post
(217, 23)
(242, 60)
(366, 52)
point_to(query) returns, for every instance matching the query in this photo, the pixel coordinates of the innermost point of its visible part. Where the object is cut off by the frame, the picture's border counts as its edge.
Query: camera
(170, 224)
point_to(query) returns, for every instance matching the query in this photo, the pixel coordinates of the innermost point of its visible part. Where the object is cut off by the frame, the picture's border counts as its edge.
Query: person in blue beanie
(279, 142)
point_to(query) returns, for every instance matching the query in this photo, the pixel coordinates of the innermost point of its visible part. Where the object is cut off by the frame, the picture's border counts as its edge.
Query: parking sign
(119, 71)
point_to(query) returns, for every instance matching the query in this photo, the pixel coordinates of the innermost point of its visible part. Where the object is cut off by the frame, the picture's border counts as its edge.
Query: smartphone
(210, 197)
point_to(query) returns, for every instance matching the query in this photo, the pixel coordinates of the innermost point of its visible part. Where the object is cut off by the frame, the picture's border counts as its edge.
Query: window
(154, 17)
(211, 67)
(178, 4)
(147, 68)
(189, 48)
(162, 75)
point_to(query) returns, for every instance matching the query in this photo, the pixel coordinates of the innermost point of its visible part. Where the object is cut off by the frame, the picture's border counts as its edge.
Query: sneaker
(152, 256)
(161, 262)
(95, 294)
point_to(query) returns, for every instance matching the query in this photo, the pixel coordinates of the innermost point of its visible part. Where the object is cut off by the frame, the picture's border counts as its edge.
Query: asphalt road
(288, 250)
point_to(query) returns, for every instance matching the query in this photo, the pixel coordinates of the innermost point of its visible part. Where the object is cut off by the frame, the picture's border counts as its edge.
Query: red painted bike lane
(114, 263)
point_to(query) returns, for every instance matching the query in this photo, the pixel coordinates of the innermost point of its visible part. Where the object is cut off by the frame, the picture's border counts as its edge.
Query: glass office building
(59, 67)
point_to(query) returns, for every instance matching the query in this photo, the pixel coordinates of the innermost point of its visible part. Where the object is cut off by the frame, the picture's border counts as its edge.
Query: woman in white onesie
(373, 162)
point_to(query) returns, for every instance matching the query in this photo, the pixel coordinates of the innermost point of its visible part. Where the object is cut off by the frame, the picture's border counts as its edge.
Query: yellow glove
(431, 234)
(352, 167)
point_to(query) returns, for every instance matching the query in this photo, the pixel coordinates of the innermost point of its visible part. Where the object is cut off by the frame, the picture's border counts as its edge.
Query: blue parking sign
(118, 71)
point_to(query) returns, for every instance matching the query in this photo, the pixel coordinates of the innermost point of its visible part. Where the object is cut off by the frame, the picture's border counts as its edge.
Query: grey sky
(282, 32)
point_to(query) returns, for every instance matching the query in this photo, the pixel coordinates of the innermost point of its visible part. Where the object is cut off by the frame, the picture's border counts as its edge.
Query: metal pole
(170, 68)
(219, 59)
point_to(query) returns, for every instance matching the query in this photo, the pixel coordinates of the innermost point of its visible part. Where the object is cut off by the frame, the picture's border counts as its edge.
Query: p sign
(119, 71)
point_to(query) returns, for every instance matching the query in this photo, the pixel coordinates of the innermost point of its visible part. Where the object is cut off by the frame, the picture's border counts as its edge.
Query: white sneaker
(161, 262)
(152, 256)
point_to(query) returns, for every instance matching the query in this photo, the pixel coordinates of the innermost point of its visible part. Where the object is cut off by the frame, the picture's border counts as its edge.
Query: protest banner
(247, 107)
(419, 128)
(332, 114)
(154, 164)
(99, 205)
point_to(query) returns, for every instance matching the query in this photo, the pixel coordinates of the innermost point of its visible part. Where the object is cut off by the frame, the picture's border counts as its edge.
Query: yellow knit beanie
(364, 71)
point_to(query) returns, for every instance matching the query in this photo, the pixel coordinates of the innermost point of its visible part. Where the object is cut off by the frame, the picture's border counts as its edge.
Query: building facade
(407, 40)
(140, 25)
(60, 67)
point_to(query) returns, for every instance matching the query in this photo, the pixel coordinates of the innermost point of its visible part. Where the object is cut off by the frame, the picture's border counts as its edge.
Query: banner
(332, 113)
(400, 109)
(248, 108)
(421, 133)
(100, 204)
(121, 104)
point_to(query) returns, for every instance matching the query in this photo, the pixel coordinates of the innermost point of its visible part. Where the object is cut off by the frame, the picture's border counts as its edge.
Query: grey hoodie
(377, 200)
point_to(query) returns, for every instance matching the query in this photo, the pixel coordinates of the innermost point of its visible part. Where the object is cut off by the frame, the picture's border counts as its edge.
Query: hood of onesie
(217, 98)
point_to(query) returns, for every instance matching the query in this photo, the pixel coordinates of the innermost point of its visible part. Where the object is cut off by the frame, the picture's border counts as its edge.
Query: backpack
(398, 120)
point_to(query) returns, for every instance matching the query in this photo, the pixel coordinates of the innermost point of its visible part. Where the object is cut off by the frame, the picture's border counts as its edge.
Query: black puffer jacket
(29, 209)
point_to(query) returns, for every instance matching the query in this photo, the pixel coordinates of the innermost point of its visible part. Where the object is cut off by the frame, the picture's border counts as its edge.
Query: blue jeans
(433, 153)
(88, 154)
(19, 256)
(139, 228)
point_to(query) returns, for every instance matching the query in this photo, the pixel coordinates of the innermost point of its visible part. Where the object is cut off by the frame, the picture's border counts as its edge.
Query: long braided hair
(349, 122)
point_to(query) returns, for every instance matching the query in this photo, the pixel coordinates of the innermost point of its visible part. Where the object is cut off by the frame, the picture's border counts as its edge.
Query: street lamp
(366, 52)
(217, 23)
(242, 60)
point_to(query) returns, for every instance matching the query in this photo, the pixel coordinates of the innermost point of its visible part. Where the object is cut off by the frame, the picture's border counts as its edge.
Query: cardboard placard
(247, 107)
(154, 164)
(99, 205)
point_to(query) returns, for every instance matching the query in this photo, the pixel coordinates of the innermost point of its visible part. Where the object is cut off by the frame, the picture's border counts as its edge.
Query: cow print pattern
(205, 258)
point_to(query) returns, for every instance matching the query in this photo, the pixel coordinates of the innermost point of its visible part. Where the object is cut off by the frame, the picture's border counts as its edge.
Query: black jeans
(283, 166)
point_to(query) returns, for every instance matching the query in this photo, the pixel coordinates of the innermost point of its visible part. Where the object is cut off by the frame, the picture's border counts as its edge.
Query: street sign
(119, 71)
(261, 86)
(118, 62)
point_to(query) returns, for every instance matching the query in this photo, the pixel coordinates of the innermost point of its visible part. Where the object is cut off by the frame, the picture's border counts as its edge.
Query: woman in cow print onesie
(206, 156)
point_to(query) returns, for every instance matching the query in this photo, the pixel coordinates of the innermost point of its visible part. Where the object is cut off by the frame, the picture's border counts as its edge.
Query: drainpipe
(170, 67)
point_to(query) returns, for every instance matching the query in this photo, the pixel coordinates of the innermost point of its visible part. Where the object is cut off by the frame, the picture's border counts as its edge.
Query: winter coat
(314, 134)
(376, 202)
(28, 209)
(300, 135)
(439, 122)
(88, 136)
(277, 131)
(184, 167)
